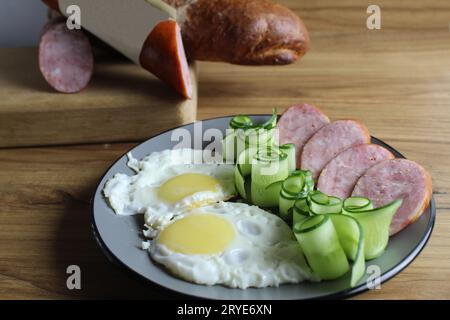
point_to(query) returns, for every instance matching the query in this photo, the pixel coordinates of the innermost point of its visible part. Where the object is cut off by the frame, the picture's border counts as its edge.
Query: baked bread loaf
(249, 32)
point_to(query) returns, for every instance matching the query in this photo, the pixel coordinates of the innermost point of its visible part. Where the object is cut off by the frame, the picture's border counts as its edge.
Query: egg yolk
(179, 187)
(198, 234)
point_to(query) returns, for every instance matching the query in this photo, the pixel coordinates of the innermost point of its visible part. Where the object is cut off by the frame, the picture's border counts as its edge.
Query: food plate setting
(224, 150)
(216, 230)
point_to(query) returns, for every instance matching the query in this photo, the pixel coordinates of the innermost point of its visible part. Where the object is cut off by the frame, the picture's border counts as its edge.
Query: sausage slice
(340, 175)
(331, 140)
(298, 123)
(397, 179)
(163, 55)
(65, 57)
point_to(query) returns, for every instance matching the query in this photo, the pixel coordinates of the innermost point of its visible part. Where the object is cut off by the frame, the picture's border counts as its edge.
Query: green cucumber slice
(289, 149)
(285, 207)
(320, 203)
(254, 137)
(351, 238)
(358, 204)
(297, 186)
(244, 161)
(300, 211)
(272, 122)
(239, 181)
(293, 184)
(375, 223)
(272, 194)
(268, 166)
(319, 241)
(241, 122)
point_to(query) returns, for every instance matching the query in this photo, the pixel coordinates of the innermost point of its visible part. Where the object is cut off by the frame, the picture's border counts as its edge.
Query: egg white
(138, 193)
(264, 251)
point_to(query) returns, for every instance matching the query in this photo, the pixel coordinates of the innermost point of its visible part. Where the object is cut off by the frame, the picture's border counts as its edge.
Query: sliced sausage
(329, 141)
(163, 55)
(298, 123)
(65, 57)
(340, 175)
(397, 179)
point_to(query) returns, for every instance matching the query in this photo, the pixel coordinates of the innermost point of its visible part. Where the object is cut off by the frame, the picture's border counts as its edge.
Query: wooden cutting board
(122, 103)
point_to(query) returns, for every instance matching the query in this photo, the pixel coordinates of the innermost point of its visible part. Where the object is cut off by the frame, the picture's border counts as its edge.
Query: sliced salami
(329, 141)
(340, 175)
(65, 57)
(163, 55)
(397, 179)
(298, 123)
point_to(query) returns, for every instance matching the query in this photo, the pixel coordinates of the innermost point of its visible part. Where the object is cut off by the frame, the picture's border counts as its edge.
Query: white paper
(123, 24)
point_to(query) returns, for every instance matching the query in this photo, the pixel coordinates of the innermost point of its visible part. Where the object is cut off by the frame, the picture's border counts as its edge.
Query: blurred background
(21, 22)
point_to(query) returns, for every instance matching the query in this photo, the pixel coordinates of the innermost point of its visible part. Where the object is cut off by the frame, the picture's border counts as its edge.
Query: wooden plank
(351, 15)
(45, 224)
(122, 103)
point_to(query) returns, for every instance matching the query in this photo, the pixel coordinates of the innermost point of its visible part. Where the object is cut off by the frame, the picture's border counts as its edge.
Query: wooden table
(397, 80)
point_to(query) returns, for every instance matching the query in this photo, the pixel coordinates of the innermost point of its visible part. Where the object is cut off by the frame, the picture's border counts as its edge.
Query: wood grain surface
(118, 102)
(396, 80)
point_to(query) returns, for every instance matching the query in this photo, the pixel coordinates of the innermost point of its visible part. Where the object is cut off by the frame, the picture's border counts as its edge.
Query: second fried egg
(233, 244)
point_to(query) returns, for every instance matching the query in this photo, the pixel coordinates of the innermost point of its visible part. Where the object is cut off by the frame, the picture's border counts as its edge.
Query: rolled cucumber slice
(289, 149)
(259, 174)
(239, 181)
(272, 194)
(245, 161)
(241, 122)
(253, 137)
(244, 134)
(268, 166)
(356, 204)
(319, 241)
(242, 170)
(375, 223)
(320, 203)
(328, 242)
(300, 211)
(272, 122)
(351, 237)
(285, 206)
(297, 186)
(290, 189)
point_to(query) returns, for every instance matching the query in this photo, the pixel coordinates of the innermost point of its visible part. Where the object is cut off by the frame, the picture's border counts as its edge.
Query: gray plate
(120, 238)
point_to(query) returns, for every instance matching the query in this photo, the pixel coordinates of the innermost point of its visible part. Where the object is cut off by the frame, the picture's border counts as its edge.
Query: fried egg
(233, 244)
(168, 183)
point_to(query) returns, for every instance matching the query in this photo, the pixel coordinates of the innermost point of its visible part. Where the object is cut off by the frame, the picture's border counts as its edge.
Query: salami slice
(65, 57)
(340, 175)
(298, 123)
(397, 179)
(163, 55)
(331, 140)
